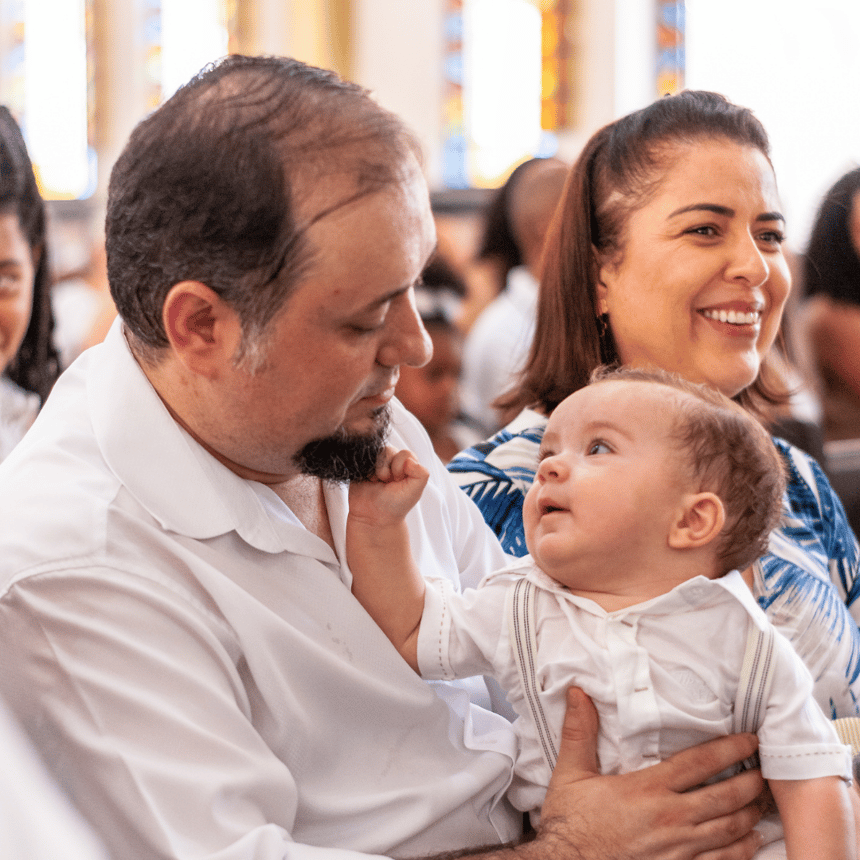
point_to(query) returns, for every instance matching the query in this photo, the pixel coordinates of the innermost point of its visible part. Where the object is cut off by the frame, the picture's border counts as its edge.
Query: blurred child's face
(17, 272)
(609, 485)
(432, 392)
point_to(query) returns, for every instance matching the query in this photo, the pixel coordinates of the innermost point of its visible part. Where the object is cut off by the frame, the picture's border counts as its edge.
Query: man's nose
(406, 341)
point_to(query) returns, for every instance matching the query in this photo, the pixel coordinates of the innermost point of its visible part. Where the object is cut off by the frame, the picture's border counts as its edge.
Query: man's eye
(367, 328)
(598, 447)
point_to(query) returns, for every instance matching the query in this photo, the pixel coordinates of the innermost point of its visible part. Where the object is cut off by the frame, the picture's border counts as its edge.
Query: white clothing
(497, 346)
(662, 674)
(18, 410)
(37, 822)
(192, 664)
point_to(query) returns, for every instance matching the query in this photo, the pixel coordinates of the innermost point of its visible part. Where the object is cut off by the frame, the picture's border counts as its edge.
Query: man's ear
(203, 330)
(701, 519)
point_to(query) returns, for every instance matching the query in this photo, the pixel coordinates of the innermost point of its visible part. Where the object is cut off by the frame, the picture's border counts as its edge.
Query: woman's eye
(10, 285)
(773, 237)
(706, 230)
(598, 447)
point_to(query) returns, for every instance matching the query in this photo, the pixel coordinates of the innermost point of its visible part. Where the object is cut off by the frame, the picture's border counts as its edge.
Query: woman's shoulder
(511, 453)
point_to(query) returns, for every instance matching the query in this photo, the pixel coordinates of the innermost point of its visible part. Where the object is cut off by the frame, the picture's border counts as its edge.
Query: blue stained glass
(454, 67)
(671, 58)
(673, 15)
(454, 27)
(454, 162)
(547, 145)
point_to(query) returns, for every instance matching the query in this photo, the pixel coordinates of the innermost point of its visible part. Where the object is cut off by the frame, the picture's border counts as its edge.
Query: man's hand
(650, 814)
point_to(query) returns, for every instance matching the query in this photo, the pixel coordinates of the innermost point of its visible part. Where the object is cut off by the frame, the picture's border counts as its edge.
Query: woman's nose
(748, 263)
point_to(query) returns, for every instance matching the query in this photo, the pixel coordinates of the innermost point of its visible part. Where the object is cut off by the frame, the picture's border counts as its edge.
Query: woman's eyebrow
(724, 211)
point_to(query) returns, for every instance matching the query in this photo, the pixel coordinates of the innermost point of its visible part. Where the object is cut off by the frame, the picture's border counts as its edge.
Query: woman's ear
(700, 520)
(600, 264)
(203, 330)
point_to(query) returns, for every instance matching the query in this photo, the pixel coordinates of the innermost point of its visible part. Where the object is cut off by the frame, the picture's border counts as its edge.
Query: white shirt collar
(196, 495)
(692, 592)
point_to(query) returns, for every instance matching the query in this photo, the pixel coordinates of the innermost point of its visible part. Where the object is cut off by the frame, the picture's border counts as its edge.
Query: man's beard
(344, 457)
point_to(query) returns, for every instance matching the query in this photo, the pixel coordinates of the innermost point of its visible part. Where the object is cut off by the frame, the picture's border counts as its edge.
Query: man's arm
(385, 578)
(818, 818)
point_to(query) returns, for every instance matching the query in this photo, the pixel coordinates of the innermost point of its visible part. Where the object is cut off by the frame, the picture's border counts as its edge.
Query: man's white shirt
(192, 664)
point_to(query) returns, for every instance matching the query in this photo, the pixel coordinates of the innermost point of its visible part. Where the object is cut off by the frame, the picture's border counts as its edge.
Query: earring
(603, 325)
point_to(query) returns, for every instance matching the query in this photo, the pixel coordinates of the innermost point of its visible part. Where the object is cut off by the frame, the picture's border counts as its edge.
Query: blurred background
(485, 83)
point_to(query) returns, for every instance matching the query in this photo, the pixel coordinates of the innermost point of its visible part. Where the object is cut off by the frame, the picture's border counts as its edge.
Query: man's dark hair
(210, 187)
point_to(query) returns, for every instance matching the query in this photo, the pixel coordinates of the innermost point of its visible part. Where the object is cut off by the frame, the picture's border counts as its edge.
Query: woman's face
(17, 272)
(699, 285)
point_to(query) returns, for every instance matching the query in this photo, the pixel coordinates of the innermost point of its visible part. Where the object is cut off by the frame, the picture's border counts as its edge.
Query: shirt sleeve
(193, 778)
(796, 739)
(460, 634)
(36, 819)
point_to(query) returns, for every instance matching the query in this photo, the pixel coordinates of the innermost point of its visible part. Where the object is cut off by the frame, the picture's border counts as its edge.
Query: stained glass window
(47, 82)
(671, 57)
(508, 85)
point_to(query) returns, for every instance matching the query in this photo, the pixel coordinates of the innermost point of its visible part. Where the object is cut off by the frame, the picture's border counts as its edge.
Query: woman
(666, 251)
(28, 360)
(831, 316)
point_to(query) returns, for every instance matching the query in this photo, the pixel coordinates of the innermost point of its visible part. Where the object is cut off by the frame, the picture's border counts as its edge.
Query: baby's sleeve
(796, 739)
(459, 634)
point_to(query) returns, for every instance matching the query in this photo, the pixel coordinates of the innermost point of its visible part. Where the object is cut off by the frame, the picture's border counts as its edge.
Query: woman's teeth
(733, 317)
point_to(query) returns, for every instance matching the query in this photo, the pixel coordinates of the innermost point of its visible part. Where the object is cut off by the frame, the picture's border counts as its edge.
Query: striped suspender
(754, 684)
(521, 623)
(753, 687)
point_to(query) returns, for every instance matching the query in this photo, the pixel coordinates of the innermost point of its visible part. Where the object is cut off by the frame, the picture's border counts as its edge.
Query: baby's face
(609, 484)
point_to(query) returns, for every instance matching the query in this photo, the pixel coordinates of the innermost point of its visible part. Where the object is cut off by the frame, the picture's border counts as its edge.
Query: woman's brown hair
(618, 169)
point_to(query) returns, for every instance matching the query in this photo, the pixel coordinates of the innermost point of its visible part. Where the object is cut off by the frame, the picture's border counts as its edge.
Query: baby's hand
(393, 491)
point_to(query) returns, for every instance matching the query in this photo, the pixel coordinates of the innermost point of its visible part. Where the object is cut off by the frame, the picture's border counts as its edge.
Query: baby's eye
(598, 446)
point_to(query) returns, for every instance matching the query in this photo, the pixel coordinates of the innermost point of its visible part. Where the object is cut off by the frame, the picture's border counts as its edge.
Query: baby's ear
(700, 520)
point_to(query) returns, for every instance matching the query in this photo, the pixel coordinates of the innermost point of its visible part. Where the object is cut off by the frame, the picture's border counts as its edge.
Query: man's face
(334, 351)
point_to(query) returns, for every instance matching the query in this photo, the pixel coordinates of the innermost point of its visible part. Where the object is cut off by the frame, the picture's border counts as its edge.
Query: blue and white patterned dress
(807, 584)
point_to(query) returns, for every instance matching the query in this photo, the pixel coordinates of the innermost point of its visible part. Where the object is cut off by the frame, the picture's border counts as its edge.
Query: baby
(651, 495)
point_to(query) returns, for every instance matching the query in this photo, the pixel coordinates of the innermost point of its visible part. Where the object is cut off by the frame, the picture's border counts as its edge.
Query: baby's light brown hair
(730, 453)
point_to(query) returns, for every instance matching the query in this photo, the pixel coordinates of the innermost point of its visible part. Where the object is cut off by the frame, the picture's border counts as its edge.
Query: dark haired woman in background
(831, 314)
(28, 361)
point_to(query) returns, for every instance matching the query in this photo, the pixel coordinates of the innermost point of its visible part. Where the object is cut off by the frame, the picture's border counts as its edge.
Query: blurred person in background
(28, 360)
(831, 307)
(497, 344)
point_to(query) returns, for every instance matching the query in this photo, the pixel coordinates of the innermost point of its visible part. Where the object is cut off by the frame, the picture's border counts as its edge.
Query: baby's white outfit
(662, 674)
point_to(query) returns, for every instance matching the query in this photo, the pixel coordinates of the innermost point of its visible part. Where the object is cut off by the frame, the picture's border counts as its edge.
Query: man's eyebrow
(725, 211)
(388, 297)
(393, 294)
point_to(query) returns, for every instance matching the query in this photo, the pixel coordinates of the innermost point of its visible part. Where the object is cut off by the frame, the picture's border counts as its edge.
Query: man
(177, 627)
